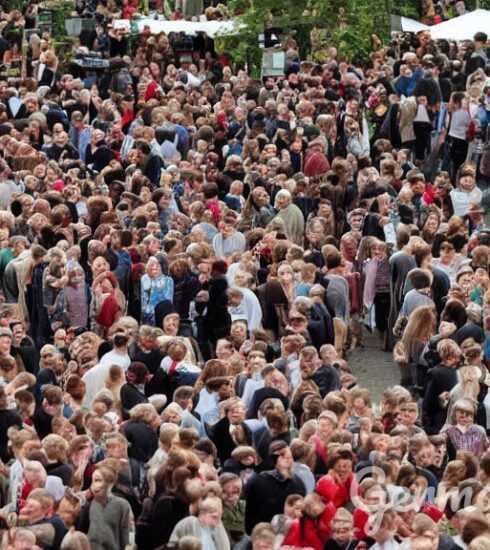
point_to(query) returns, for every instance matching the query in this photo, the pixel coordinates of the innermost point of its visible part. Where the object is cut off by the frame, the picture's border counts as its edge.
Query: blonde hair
(55, 447)
(143, 412)
(75, 540)
(482, 542)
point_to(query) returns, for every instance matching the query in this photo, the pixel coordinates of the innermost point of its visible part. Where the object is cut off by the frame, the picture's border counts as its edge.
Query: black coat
(429, 88)
(217, 318)
(142, 439)
(185, 290)
(28, 354)
(157, 521)
(151, 359)
(320, 326)
(8, 418)
(131, 396)
(265, 495)
(440, 287)
(440, 379)
(260, 396)
(221, 437)
(327, 379)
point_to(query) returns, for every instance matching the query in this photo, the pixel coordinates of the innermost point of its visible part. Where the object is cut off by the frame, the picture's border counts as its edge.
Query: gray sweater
(109, 524)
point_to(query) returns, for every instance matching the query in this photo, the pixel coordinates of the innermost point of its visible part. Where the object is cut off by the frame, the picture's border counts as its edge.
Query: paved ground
(373, 368)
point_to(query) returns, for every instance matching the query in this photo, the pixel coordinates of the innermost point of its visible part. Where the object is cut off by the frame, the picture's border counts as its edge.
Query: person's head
(210, 511)
(408, 413)
(39, 505)
(144, 412)
(231, 485)
(341, 464)
(263, 537)
(69, 508)
(103, 479)
(19, 539)
(293, 506)
(463, 412)
(235, 411)
(425, 526)
(327, 422)
(281, 454)
(171, 323)
(56, 448)
(173, 414)
(480, 40)
(449, 352)
(308, 361)
(238, 330)
(117, 446)
(35, 473)
(342, 526)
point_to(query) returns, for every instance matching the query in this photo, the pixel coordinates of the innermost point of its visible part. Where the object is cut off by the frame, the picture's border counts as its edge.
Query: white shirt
(390, 544)
(95, 381)
(460, 120)
(249, 309)
(113, 357)
(207, 402)
(251, 386)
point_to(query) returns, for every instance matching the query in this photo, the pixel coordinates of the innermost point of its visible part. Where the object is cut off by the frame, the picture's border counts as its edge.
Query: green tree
(346, 24)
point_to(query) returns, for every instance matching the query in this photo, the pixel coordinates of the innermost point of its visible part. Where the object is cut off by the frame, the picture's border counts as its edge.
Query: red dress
(333, 491)
(311, 533)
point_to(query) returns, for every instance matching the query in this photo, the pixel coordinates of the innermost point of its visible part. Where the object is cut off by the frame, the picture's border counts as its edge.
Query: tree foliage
(315, 24)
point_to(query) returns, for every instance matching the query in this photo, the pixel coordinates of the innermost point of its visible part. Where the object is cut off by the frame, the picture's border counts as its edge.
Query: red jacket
(360, 520)
(338, 493)
(311, 533)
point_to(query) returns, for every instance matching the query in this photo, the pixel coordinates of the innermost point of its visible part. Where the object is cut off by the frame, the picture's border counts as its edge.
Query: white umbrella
(463, 27)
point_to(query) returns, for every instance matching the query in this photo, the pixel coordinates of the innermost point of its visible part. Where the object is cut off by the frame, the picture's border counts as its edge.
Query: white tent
(211, 28)
(411, 25)
(463, 27)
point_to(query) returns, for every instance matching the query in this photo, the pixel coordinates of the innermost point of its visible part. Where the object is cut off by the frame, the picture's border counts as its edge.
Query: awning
(463, 27)
(211, 28)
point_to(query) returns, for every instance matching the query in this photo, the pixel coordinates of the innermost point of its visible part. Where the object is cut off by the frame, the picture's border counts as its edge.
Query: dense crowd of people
(188, 258)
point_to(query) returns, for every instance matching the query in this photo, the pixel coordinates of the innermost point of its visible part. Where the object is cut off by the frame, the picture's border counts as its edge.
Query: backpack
(485, 156)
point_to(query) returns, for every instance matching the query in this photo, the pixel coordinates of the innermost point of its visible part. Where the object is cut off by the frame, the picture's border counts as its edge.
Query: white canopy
(211, 28)
(463, 27)
(411, 25)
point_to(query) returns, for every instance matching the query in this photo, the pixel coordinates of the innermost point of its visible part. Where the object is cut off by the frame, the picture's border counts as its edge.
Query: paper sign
(461, 200)
(390, 233)
(123, 24)
(15, 104)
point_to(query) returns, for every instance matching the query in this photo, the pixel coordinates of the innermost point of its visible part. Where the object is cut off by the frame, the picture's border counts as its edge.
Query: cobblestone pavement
(373, 368)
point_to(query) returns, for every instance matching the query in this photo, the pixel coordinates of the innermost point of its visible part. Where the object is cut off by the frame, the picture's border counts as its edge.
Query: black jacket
(143, 440)
(158, 518)
(260, 396)
(8, 418)
(221, 437)
(131, 396)
(265, 494)
(185, 290)
(429, 88)
(320, 326)
(327, 379)
(440, 379)
(217, 318)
